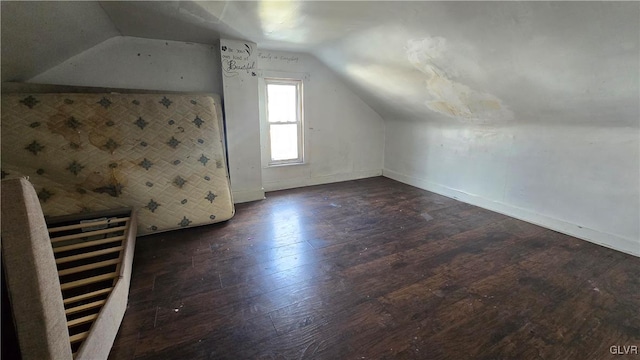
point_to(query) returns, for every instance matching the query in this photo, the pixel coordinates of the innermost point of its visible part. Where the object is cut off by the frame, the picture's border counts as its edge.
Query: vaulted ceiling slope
(41, 34)
(453, 62)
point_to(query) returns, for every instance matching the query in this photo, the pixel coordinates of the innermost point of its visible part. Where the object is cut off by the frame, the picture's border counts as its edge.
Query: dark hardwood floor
(375, 269)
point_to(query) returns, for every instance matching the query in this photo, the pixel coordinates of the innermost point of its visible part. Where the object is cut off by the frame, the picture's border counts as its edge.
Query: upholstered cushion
(32, 277)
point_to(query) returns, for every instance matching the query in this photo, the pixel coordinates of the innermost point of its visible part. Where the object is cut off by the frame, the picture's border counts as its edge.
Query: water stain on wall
(433, 57)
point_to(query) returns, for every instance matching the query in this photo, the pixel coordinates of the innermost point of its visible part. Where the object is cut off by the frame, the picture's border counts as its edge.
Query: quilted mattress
(161, 154)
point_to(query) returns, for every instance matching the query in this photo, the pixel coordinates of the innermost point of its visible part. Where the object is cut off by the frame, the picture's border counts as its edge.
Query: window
(284, 121)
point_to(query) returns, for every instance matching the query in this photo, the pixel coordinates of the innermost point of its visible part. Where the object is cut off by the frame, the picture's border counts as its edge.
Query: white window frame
(300, 120)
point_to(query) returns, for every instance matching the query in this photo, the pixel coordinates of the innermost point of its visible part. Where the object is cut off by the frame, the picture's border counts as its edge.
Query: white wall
(581, 181)
(238, 60)
(137, 63)
(344, 137)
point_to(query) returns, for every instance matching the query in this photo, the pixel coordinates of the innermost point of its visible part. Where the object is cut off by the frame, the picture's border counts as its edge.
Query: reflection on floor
(376, 269)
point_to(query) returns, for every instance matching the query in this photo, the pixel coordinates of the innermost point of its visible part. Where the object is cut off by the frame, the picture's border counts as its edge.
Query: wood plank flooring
(375, 269)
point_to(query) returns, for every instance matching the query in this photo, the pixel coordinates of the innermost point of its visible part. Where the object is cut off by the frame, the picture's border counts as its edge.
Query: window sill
(284, 165)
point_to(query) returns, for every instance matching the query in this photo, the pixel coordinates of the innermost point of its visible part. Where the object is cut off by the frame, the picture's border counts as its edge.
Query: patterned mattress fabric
(161, 154)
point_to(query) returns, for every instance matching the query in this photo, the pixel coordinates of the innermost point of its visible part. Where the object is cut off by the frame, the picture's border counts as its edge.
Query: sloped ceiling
(169, 20)
(468, 62)
(37, 35)
(498, 62)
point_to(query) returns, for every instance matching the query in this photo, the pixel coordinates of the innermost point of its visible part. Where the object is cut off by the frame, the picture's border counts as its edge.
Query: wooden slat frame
(81, 320)
(88, 255)
(88, 233)
(87, 281)
(81, 245)
(112, 220)
(85, 307)
(78, 337)
(92, 266)
(88, 295)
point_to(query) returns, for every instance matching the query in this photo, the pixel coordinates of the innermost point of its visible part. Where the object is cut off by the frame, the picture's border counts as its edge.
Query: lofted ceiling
(39, 35)
(466, 62)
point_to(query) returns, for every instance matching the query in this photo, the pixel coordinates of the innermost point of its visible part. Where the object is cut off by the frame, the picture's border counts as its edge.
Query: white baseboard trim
(301, 182)
(243, 196)
(612, 241)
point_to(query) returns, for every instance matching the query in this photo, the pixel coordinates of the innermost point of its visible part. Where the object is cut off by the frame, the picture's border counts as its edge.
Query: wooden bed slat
(88, 224)
(87, 295)
(91, 280)
(88, 233)
(77, 269)
(88, 243)
(82, 320)
(78, 337)
(88, 255)
(84, 307)
(75, 244)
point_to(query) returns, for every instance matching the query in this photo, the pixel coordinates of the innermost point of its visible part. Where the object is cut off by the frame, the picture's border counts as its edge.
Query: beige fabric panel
(32, 276)
(161, 154)
(104, 329)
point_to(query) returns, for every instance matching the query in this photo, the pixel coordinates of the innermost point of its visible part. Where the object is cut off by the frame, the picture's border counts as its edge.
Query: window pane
(284, 142)
(281, 105)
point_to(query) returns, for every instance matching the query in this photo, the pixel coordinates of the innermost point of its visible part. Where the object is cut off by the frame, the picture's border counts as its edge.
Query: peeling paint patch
(433, 58)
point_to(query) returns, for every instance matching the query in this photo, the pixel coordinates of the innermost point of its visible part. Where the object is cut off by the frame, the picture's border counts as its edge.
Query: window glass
(284, 142)
(282, 104)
